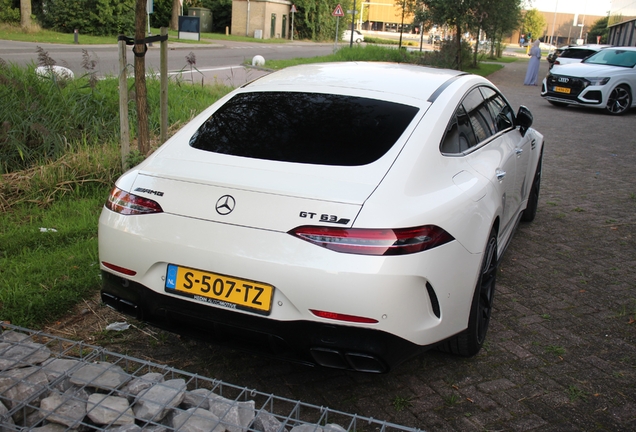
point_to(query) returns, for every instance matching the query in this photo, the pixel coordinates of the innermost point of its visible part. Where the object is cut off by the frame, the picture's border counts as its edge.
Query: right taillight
(400, 241)
(126, 203)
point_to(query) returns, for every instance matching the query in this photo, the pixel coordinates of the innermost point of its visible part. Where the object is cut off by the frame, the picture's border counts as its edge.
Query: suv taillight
(126, 203)
(361, 241)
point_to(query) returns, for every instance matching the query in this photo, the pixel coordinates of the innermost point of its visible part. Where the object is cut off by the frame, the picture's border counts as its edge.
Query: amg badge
(324, 218)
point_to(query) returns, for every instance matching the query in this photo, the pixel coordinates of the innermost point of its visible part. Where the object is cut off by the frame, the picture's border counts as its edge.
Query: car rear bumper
(312, 343)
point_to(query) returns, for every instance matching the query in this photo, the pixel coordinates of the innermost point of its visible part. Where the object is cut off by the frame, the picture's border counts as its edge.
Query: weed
(451, 399)
(552, 203)
(561, 215)
(627, 310)
(574, 393)
(546, 316)
(134, 158)
(400, 403)
(578, 209)
(554, 349)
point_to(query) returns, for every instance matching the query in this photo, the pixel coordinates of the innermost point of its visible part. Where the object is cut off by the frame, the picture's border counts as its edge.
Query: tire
(469, 342)
(533, 199)
(619, 101)
(558, 104)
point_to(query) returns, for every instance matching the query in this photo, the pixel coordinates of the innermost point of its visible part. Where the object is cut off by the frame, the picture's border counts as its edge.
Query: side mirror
(524, 119)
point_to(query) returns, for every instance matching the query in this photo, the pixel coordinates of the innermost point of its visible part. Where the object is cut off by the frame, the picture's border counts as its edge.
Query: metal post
(76, 36)
(247, 23)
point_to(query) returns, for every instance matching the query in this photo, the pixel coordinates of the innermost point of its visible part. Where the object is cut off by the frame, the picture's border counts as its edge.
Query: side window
(499, 109)
(459, 135)
(482, 114)
(480, 118)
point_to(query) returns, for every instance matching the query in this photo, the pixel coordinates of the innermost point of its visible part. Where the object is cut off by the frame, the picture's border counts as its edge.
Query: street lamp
(556, 6)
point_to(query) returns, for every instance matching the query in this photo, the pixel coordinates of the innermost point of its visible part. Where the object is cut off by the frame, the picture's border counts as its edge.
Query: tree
(501, 18)
(458, 15)
(599, 28)
(141, 97)
(176, 10)
(25, 14)
(533, 24)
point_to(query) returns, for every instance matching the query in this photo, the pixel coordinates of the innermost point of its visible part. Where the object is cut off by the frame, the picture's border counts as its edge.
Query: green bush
(8, 13)
(94, 17)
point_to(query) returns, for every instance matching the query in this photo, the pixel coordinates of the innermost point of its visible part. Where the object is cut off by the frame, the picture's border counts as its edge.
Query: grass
(15, 33)
(48, 258)
(574, 393)
(556, 350)
(373, 53)
(51, 195)
(401, 403)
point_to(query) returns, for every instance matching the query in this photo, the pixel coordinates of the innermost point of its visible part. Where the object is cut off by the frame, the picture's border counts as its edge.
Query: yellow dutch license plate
(562, 90)
(220, 290)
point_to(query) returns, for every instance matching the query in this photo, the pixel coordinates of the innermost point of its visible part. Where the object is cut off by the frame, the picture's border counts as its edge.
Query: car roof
(403, 80)
(590, 46)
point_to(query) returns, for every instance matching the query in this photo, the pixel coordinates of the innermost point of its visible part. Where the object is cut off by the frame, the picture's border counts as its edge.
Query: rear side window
(311, 128)
(482, 114)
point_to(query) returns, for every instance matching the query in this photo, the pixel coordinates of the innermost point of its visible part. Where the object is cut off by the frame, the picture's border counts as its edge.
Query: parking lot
(561, 349)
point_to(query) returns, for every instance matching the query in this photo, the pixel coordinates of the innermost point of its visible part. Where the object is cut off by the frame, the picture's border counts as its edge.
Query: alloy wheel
(619, 100)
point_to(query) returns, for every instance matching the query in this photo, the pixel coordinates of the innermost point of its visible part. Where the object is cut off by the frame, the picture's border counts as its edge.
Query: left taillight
(401, 241)
(126, 203)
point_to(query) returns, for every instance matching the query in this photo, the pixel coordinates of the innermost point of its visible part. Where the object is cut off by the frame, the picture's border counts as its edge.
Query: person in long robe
(532, 74)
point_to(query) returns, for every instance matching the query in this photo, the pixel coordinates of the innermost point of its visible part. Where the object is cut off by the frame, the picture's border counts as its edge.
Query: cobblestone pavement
(561, 350)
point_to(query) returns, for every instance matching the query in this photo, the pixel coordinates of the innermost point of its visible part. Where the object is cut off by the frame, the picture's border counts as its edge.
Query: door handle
(519, 151)
(500, 174)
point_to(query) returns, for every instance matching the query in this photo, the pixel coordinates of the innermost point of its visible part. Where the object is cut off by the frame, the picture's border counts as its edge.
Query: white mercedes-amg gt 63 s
(349, 215)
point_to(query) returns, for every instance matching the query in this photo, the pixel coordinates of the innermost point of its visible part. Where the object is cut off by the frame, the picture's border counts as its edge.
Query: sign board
(150, 6)
(338, 12)
(293, 9)
(189, 27)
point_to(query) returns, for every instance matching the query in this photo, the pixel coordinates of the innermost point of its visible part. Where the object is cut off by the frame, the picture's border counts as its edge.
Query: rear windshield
(577, 53)
(311, 128)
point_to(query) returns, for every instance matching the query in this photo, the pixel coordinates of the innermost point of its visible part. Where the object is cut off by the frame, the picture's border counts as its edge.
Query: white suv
(575, 54)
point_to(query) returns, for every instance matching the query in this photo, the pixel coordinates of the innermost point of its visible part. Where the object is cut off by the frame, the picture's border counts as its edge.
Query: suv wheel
(620, 100)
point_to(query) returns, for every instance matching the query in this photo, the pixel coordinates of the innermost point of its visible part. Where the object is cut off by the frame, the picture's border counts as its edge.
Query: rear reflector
(119, 269)
(375, 241)
(126, 203)
(343, 317)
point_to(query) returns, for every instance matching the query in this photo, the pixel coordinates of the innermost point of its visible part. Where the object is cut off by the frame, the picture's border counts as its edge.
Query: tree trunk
(25, 14)
(458, 38)
(176, 11)
(140, 78)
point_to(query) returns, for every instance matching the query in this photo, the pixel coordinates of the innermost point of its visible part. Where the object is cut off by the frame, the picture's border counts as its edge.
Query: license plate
(220, 290)
(562, 90)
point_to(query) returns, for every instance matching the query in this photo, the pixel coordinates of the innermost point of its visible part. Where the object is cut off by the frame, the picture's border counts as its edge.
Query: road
(216, 60)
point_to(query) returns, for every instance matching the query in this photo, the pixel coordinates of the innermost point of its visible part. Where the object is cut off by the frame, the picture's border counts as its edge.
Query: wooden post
(124, 127)
(163, 95)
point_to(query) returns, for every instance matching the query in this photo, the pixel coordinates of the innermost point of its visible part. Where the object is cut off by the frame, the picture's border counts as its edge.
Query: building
(261, 19)
(384, 15)
(622, 23)
(562, 29)
(269, 19)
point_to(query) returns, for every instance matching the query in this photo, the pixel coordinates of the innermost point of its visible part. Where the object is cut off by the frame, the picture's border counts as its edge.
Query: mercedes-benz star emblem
(225, 205)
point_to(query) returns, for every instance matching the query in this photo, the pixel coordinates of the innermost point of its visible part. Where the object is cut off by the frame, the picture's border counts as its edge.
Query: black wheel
(559, 104)
(533, 199)
(469, 342)
(620, 100)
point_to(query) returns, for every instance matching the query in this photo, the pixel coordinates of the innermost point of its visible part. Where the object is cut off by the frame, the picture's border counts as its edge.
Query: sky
(587, 7)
